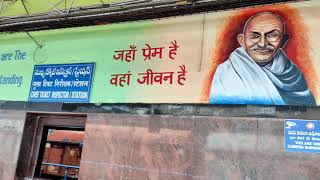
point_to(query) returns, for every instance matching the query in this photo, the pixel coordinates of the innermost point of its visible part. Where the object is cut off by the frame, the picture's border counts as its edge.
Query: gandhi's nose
(262, 42)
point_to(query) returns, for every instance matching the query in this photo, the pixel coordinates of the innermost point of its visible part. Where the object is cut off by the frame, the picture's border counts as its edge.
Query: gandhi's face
(262, 36)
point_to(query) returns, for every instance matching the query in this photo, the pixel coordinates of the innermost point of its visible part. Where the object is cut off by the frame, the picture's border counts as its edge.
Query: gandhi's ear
(240, 39)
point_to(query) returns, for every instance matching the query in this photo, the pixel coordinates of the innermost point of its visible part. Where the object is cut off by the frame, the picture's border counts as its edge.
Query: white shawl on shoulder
(240, 80)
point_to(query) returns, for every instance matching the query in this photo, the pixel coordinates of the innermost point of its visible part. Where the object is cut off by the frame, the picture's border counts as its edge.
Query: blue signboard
(61, 83)
(302, 135)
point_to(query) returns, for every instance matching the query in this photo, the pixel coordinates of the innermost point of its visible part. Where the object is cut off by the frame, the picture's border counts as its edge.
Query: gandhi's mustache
(264, 48)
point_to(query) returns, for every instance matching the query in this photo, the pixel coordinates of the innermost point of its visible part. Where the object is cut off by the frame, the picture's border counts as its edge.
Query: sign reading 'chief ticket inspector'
(61, 83)
(302, 135)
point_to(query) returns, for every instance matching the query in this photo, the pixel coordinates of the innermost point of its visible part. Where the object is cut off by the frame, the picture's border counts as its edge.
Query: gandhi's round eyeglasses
(273, 36)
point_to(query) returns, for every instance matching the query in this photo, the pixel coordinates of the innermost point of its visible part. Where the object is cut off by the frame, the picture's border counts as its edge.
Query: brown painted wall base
(139, 147)
(188, 147)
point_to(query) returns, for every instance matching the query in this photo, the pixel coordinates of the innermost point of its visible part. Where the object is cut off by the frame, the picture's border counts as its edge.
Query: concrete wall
(190, 147)
(170, 141)
(11, 129)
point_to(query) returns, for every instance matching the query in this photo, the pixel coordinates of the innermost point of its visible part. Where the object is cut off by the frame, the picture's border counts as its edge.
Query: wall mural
(260, 71)
(263, 56)
(259, 55)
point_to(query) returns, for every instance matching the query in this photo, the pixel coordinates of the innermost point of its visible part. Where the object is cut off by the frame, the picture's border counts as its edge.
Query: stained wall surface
(189, 147)
(16, 8)
(11, 128)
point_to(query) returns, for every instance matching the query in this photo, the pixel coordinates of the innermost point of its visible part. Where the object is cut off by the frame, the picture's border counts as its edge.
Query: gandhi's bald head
(262, 36)
(264, 18)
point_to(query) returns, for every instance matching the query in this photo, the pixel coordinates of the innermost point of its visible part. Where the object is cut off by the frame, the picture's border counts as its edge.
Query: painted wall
(186, 56)
(15, 8)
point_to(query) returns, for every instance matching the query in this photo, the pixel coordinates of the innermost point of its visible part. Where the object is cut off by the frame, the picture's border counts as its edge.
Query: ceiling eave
(107, 14)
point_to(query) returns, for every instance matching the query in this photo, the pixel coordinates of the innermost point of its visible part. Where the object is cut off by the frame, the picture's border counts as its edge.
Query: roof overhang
(108, 13)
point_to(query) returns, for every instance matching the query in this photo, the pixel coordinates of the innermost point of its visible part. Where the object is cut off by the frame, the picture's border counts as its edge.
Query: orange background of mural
(297, 48)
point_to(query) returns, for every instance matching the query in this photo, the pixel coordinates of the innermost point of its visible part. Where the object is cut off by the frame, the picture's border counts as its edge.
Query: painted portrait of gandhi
(259, 72)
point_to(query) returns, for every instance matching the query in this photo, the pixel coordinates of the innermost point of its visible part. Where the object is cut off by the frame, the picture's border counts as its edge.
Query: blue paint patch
(61, 83)
(302, 135)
